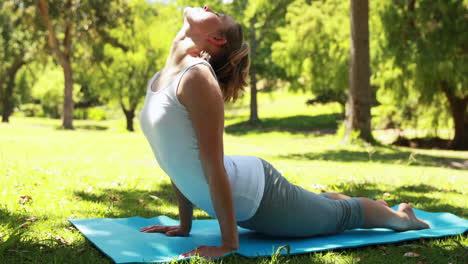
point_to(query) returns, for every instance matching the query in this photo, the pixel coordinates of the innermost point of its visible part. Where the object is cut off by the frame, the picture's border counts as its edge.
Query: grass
(49, 175)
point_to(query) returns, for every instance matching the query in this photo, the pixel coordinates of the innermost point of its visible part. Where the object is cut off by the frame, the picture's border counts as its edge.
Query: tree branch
(43, 8)
(67, 40)
(111, 40)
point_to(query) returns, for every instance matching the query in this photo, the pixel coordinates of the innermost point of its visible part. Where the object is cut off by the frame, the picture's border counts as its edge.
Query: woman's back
(166, 124)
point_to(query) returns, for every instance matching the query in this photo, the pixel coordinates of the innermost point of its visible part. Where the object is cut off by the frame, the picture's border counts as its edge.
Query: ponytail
(233, 75)
(233, 63)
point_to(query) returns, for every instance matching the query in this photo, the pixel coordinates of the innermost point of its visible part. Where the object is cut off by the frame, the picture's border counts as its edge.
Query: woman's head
(222, 39)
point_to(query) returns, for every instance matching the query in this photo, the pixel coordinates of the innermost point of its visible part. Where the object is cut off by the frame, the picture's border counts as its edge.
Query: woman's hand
(208, 252)
(168, 230)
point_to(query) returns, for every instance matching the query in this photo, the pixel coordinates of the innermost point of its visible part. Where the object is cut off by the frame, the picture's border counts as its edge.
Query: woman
(183, 120)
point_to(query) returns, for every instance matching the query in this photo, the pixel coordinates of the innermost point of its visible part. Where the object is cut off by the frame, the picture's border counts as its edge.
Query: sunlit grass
(100, 170)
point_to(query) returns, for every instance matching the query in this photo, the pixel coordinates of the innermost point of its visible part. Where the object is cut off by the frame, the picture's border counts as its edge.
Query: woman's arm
(185, 215)
(200, 93)
(185, 210)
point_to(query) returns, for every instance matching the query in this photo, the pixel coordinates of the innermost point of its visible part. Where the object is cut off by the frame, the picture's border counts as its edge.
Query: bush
(32, 110)
(80, 113)
(91, 113)
(97, 114)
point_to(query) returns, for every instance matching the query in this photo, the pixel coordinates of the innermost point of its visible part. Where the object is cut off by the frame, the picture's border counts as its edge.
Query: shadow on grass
(91, 127)
(319, 125)
(135, 202)
(52, 249)
(7, 216)
(86, 127)
(397, 157)
(415, 194)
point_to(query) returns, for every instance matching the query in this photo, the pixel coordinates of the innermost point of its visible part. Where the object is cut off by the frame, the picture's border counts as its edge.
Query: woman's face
(205, 21)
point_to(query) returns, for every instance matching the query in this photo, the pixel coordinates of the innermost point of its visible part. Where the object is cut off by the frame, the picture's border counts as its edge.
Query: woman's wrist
(232, 244)
(231, 247)
(184, 227)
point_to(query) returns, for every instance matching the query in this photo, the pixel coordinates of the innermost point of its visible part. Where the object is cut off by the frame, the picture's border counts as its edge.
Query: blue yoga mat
(121, 240)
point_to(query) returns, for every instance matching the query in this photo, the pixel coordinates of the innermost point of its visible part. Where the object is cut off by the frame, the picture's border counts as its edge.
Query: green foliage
(19, 44)
(31, 110)
(265, 17)
(148, 38)
(49, 90)
(424, 45)
(314, 47)
(91, 113)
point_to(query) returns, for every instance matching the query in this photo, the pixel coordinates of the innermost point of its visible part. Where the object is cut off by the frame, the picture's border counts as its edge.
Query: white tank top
(166, 125)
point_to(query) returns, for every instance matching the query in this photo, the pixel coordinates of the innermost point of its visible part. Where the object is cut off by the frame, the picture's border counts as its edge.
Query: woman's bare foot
(412, 222)
(382, 202)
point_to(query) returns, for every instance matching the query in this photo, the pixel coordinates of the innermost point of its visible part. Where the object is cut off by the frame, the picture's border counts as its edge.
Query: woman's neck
(183, 48)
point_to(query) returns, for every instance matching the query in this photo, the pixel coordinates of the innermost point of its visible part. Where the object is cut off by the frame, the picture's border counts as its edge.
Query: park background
(73, 78)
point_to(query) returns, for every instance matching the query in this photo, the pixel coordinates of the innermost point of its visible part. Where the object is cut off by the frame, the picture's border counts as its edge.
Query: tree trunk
(7, 102)
(253, 78)
(129, 115)
(458, 108)
(63, 56)
(67, 116)
(358, 117)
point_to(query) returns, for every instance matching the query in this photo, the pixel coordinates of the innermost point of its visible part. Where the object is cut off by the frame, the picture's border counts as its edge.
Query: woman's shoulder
(199, 82)
(199, 66)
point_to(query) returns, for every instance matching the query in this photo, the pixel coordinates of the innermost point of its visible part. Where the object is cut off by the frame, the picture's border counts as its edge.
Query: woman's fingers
(156, 229)
(168, 230)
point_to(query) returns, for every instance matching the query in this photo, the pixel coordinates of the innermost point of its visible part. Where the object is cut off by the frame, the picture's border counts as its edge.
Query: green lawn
(100, 170)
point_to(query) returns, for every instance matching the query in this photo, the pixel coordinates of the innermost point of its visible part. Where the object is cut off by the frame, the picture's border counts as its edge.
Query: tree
(426, 48)
(76, 20)
(358, 116)
(313, 48)
(261, 18)
(18, 41)
(148, 37)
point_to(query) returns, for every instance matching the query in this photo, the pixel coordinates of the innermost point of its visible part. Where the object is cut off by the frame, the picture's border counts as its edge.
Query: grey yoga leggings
(289, 210)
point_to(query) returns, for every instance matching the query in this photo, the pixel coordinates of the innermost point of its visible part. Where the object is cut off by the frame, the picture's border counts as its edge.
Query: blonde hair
(232, 63)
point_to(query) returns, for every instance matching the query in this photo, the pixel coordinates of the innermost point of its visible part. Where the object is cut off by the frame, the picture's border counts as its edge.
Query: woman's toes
(414, 222)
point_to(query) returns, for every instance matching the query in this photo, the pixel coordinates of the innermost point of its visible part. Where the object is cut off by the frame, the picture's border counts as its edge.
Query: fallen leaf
(72, 216)
(24, 199)
(116, 199)
(421, 262)
(357, 259)
(141, 201)
(81, 250)
(71, 228)
(61, 240)
(31, 219)
(154, 197)
(412, 254)
(386, 194)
